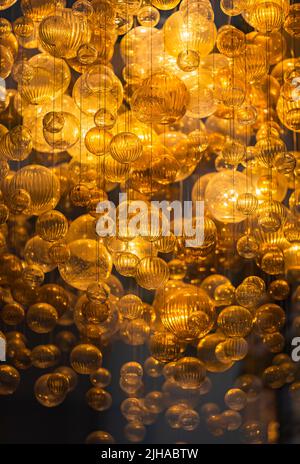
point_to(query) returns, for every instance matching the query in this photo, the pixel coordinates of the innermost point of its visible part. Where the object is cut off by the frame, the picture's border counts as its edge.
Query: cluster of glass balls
(212, 110)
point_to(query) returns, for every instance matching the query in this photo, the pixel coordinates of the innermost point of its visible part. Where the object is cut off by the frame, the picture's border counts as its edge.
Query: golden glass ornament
(5, 27)
(60, 130)
(189, 420)
(59, 253)
(224, 294)
(164, 346)
(16, 145)
(153, 367)
(33, 275)
(248, 294)
(269, 318)
(207, 353)
(154, 401)
(291, 24)
(247, 247)
(274, 43)
(22, 293)
(130, 306)
(202, 101)
(52, 226)
(22, 358)
(99, 437)
(42, 186)
(126, 263)
(125, 147)
(131, 370)
(148, 16)
(268, 149)
(115, 171)
(37, 9)
(236, 399)
(288, 112)
(41, 317)
(36, 252)
(44, 395)
(279, 289)
(100, 378)
(36, 85)
(45, 356)
(104, 119)
(62, 34)
(98, 88)
(54, 295)
(231, 41)
(23, 27)
(173, 122)
(151, 104)
(4, 169)
(189, 372)
(247, 115)
(177, 269)
(165, 169)
(89, 260)
(250, 384)
(82, 8)
(274, 342)
(9, 379)
(98, 291)
(98, 399)
(80, 195)
(87, 54)
(135, 431)
(86, 359)
(247, 203)
(4, 4)
(222, 193)
(232, 349)
(12, 314)
(235, 321)
(230, 88)
(58, 384)
(272, 261)
(173, 414)
(188, 313)
(123, 22)
(233, 152)
(233, 420)
(232, 7)
(135, 332)
(252, 62)
(97, 141)
(274, 376)
(165, 4)
(65, 341)
(70, 374)
(188, 60)
(152, 273)
(253, 432)
(95, 312)
(190, 32)
(6, 62)
(266, 16)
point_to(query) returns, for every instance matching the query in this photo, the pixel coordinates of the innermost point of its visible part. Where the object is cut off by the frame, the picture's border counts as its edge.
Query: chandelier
(150, 205)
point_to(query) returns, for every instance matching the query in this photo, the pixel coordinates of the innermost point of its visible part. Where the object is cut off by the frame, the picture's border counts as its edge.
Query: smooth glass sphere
(235, 399)
(9, 379)
(222, 193)
(86, 359)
